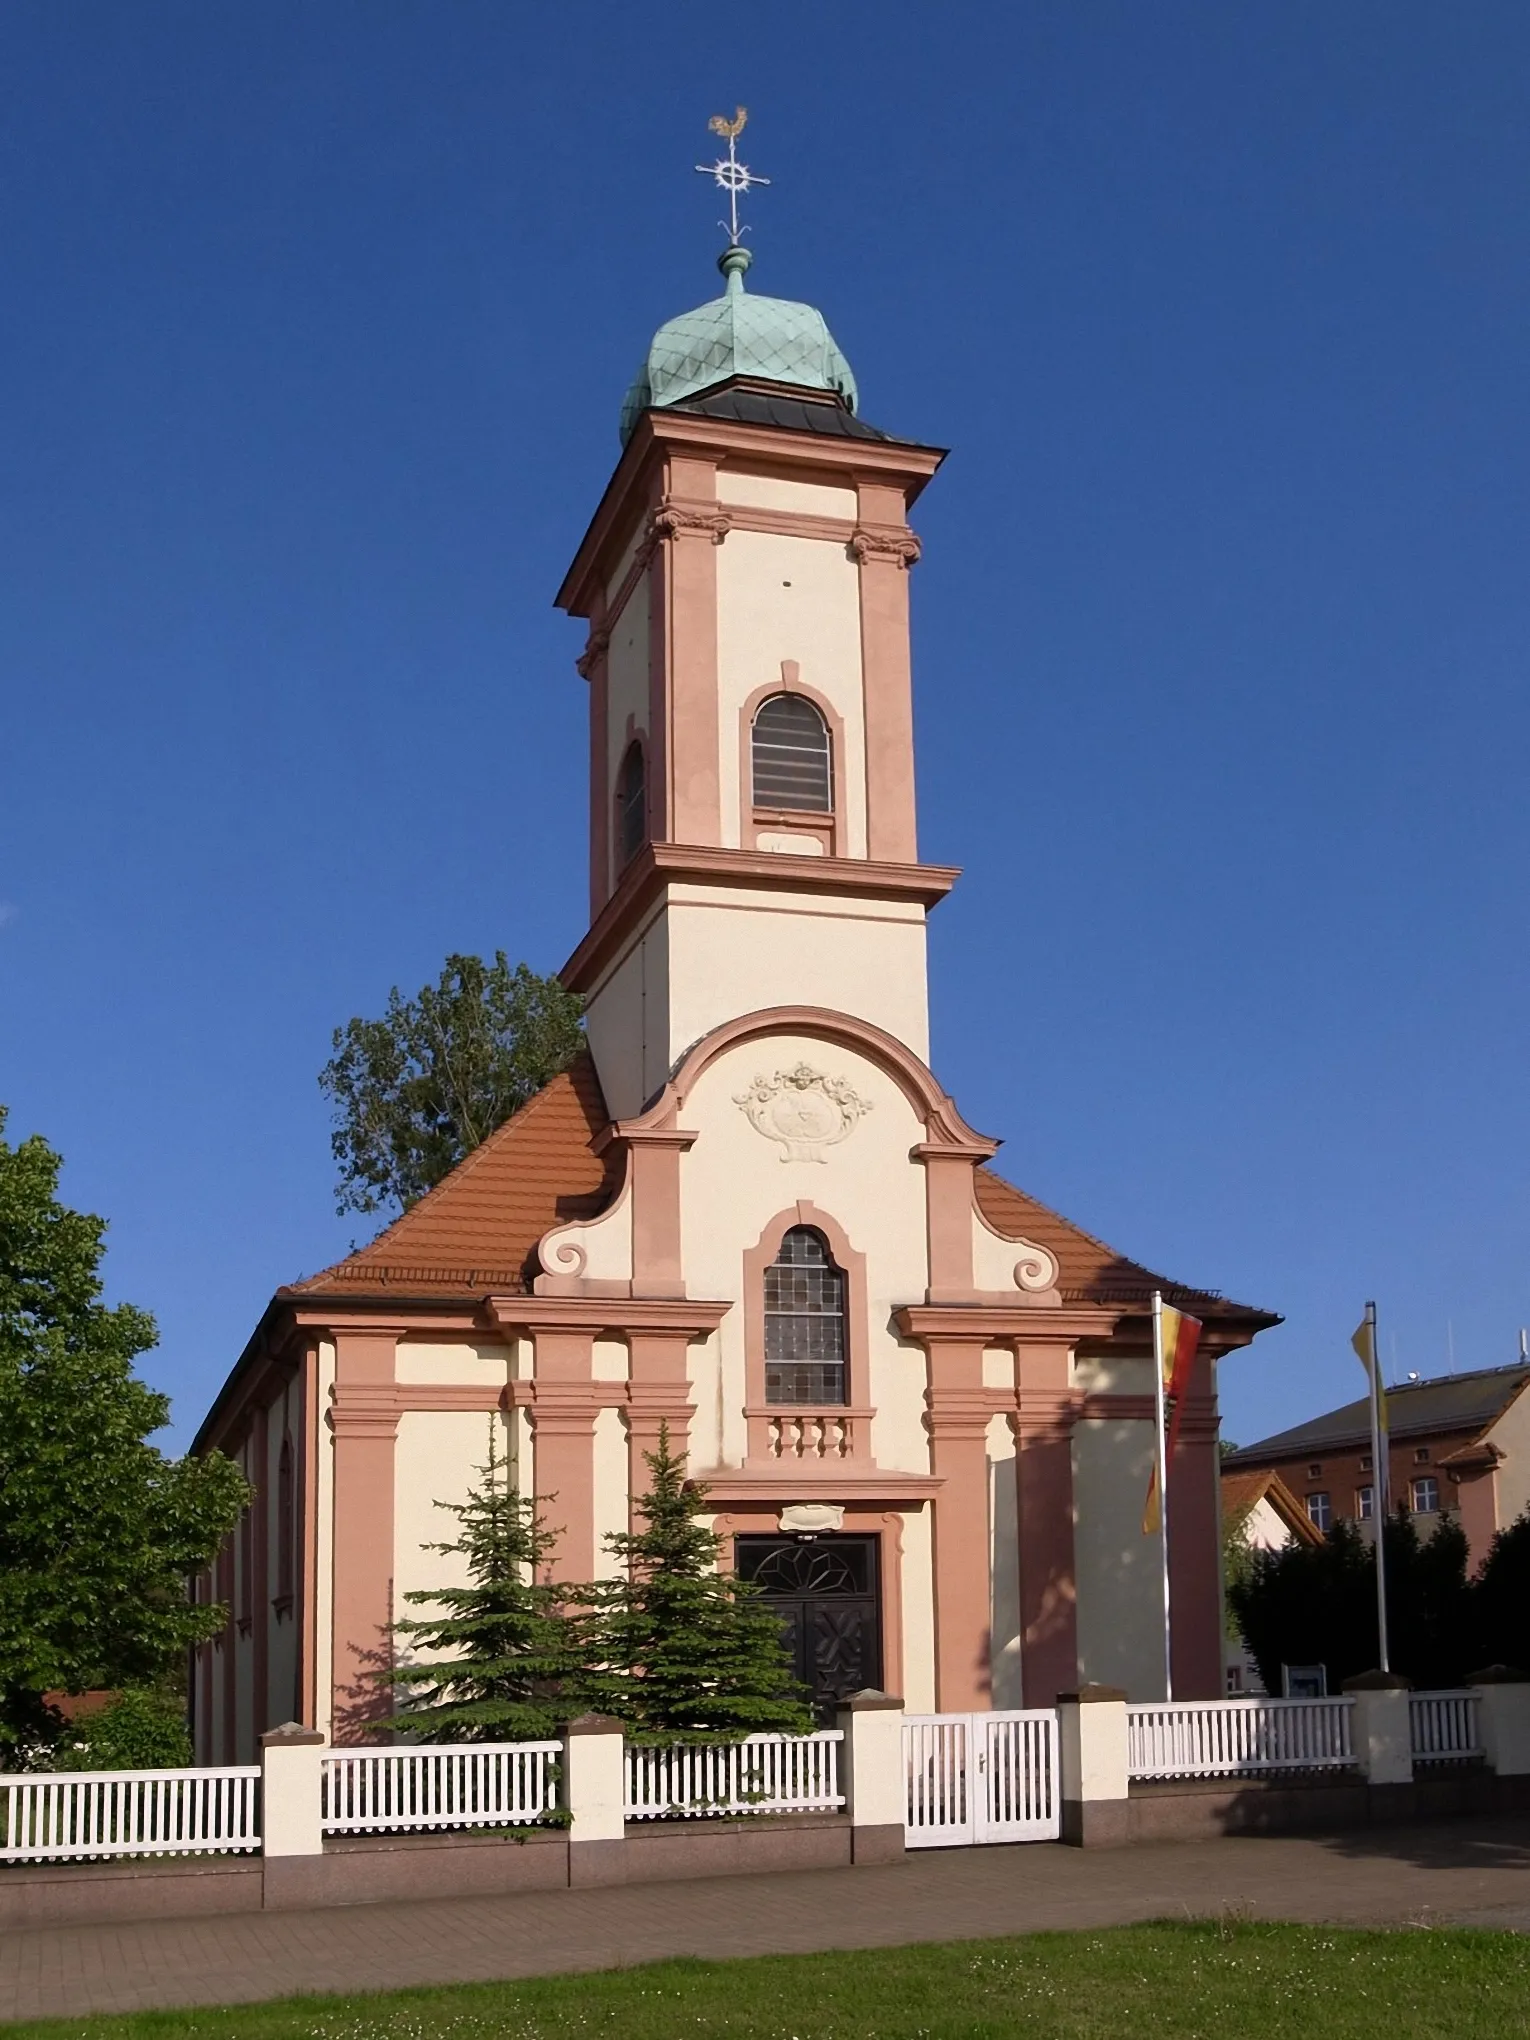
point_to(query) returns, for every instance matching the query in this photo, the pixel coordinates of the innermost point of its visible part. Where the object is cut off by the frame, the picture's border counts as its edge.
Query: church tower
(745, 579)
(920, 1401)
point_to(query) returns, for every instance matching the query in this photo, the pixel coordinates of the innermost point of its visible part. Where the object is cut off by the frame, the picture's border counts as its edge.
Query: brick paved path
(1469, 1873)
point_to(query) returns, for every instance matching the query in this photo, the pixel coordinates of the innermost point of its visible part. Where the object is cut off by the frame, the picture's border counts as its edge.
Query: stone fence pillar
(1503, 1698)
(291, 1814)
(1092, 1753)
(1383, 1731)
(872, 1776)
(595, 1797)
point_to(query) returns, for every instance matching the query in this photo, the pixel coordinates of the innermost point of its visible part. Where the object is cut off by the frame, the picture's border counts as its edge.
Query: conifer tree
(501, 1653)
(683, 1649)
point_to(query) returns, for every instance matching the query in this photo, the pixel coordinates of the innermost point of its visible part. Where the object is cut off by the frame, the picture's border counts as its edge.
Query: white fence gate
(981, 1778)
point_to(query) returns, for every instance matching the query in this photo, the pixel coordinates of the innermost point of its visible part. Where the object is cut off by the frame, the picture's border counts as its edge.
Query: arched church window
(805, 1338)
(792, 757)
(631, 805)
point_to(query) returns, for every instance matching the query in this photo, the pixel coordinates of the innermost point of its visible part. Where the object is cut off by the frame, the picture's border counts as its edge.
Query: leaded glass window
(804, 1322)
(791, 756)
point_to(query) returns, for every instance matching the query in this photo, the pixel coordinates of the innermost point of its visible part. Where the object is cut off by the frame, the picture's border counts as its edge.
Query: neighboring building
(921, 1400)
(1459, 1443)
(1270, 1518)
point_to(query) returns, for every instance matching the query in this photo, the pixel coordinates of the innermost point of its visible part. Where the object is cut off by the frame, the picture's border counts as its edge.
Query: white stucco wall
(918, 1613)
(1119, 1571)
(438, 1460)
(707, 954)
(790, 598)
(781, 492)
(734, 1181)
(1004, 1563)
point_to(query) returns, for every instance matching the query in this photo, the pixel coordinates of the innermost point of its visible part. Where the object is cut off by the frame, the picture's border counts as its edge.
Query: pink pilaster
(959, 1410)
(364, 1419)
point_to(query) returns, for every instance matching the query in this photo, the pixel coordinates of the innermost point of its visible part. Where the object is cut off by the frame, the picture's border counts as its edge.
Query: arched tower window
(631, 805)
(805, 1332)
(792, 757)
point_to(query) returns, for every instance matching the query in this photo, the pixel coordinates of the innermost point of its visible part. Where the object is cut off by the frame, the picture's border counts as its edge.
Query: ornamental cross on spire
(734, 177)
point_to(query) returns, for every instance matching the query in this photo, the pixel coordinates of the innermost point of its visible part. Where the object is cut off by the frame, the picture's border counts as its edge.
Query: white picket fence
(1446, 1727)
(1246, 1736)
(444, 1785)
(761, 1774)
(988, 1777)
(50, 1816)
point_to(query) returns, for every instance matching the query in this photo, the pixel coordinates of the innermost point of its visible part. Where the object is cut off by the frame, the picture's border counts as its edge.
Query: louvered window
(792, 766)
(804, 1322)
(631, 805)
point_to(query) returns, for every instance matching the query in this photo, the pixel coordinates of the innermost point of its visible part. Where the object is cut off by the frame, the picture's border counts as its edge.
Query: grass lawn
(1222, 1980)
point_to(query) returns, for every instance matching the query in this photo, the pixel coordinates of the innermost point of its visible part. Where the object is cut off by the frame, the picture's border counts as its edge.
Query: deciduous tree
(420, 1088)
(99, 1530)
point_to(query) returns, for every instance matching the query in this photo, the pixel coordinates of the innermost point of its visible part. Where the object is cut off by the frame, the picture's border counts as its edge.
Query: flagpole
(1163, 1488)
(1379, 1485)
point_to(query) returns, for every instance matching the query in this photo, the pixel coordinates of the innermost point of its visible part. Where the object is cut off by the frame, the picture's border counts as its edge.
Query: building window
(1421, 1454)
(1366, 1463)
(805, 1338)
(1320, 1510)
(1365, 1503)
(631, 806)
(1425, 1495)
(791, 756)
(1314, 1471)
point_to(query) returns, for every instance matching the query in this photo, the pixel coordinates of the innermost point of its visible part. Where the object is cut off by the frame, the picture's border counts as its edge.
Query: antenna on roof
(1524, 1344)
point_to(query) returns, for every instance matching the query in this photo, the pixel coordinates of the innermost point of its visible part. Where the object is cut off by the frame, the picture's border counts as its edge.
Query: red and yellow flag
(1179, 1336)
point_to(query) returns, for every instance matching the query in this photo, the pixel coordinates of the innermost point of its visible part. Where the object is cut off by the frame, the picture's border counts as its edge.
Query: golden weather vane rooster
(733, 176)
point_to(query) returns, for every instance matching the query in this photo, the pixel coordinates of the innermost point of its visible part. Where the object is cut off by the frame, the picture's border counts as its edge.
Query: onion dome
(770, 339)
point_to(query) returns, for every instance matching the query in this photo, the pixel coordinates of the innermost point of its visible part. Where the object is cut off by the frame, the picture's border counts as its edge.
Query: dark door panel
(827, 1593)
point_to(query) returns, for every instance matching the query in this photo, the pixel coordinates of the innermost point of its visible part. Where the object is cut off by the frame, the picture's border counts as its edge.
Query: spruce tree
(500, 1653)
(683, 1649)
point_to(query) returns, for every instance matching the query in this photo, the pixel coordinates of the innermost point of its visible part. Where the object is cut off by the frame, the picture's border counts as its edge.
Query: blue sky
(315, 321)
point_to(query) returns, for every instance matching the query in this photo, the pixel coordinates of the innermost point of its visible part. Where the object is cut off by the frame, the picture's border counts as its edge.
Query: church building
(921, 1401)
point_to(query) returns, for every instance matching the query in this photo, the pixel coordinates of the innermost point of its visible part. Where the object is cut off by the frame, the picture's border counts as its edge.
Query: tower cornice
(637, 489)
(658, 865)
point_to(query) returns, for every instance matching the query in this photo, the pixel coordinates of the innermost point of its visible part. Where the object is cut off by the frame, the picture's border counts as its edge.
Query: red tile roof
(1088, 1271)
(477, 1230)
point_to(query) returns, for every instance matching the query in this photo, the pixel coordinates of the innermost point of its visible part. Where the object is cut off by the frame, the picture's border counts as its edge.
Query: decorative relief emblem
(803, 1110)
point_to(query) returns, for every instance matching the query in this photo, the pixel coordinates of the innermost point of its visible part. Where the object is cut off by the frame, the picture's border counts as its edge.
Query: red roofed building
(921, 1399)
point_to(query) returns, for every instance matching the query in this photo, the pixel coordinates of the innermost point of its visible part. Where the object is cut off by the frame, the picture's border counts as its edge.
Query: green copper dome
(737, 334)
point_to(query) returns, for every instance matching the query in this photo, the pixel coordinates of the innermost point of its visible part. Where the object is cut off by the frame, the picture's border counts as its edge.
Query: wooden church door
(827, 1593)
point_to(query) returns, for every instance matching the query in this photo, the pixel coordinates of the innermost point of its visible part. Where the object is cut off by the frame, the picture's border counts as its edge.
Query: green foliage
(417, 1090)
(143, 1729)
(686, 1650)
(98, 1529)
(1237, 1559)
(1316, 1604)
(1502, 1592)
(503, 1648)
